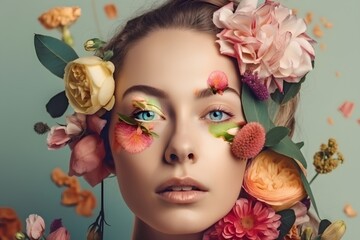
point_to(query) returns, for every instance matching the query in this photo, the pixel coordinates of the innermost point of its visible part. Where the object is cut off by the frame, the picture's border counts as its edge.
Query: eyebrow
(206, 92)
(147, 90)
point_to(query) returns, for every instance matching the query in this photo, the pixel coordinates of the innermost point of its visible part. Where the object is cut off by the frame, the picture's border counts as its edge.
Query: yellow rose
(89, 84)
(274, 179)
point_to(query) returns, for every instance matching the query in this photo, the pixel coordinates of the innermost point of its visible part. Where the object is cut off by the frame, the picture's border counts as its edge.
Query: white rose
(89, 84)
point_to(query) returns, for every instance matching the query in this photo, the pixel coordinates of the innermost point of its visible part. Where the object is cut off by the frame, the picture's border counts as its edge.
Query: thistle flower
(249, 141)
(258, 88)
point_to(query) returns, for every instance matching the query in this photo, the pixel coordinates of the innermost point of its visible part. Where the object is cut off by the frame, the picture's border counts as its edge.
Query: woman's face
(187, 179)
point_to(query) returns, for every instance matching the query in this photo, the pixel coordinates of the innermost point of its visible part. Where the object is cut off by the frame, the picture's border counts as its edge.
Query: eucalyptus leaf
(275, 135)
(57, 105)
(53, 53)
(300, 144)
(288, 148)
(309, 191)
(323, 225)
(287, 221)
(255, 110)
(127, 119)
(289, 91)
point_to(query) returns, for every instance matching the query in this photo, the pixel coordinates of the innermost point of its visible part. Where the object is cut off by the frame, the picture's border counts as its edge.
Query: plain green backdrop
(26, 86)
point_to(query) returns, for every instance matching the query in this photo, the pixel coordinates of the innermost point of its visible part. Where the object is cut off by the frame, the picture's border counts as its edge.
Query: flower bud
(93, 44)
(307, 234)
(335, 231)
(20, 236)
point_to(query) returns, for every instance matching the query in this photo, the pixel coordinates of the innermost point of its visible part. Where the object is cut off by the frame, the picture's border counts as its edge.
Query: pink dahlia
(248, 220)
(248, 141)
(132, 138)
(218, 82)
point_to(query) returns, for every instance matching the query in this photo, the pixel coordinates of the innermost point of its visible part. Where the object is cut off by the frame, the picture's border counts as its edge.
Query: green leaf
(309, 191)
(127, 119)
(289, 91)
(219, 129)
(323, 225)
(275, 135)
(300, 144)
(288, 148)
(255, 110)
(53, 53)
(57, 105)
(287, 221)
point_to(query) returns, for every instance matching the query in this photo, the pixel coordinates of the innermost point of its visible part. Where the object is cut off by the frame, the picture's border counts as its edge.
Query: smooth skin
(172, 66)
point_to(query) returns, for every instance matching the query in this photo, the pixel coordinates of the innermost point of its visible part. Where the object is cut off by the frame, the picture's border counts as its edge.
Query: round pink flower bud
(249, 141)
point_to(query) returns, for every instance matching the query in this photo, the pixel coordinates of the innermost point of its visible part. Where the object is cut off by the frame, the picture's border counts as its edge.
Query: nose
(182, 145)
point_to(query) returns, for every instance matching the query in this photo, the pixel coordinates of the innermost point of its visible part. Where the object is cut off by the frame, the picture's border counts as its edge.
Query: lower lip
(182, 197)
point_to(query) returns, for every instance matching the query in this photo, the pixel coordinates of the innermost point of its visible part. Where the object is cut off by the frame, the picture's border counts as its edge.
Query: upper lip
(179, 182)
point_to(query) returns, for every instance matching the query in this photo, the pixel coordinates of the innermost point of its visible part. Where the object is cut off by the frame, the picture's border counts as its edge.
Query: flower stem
(314, 177)
(96, 18)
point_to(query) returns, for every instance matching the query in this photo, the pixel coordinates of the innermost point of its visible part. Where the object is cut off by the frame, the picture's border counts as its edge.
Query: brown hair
(182, 14)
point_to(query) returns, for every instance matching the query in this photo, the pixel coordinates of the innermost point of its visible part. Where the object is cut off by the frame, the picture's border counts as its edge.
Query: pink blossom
(268, 40)
(218, 82)
(87, 158)
(251, 220)
(59, 234)
(300, 213)
(35, 226)
(131, 137)
(248, 141)
(57, 137)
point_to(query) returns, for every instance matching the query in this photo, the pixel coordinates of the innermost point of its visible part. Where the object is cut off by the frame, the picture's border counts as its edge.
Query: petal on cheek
(130, 138)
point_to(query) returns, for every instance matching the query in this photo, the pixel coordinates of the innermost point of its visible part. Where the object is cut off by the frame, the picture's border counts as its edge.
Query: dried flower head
(59, 17)
(328, 158)
(41, 128)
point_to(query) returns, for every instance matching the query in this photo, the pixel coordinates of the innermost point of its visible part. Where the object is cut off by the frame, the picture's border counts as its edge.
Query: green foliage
(220, 130)
(57, 105)
(323, 225)
(289, 91)
(53, 53)
(309, 191)
(287, 221)
(275, 135)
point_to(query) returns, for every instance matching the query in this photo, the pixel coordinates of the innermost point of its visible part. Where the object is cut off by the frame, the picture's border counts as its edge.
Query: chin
(182, 222)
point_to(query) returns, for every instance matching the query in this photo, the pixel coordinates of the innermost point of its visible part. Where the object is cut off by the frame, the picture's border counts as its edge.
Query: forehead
(174, 59)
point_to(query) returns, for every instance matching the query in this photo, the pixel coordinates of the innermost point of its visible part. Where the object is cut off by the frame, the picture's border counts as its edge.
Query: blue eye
(217, 116)
(146, 116)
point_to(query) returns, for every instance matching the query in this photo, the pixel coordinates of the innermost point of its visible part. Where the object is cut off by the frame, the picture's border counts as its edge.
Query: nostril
(173, 157)
(191, 156)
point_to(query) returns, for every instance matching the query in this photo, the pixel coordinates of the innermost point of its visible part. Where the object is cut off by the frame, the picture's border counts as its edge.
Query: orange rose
(274, 179)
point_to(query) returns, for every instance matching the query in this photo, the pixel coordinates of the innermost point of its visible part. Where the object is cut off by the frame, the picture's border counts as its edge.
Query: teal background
(26, 86)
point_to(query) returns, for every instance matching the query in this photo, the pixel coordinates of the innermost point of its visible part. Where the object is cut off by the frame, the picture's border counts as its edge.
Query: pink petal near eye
(347, 108)
(218, 82)
(131, 138)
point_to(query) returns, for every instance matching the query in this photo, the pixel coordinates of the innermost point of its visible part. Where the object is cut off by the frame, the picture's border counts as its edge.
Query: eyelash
(219, 109)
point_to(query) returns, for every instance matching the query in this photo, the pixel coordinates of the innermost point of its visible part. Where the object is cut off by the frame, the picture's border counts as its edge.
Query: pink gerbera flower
(248, 220)
(131, 137)
(218, 82)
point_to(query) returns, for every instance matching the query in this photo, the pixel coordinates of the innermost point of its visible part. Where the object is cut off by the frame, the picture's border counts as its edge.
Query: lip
(181, 190)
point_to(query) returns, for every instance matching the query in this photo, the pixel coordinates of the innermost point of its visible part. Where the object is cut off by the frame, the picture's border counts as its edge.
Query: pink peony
(131, 137)
(250, 220)
(87, 158)
(248, 141)
(218, 82)
(268, 40)
(59, 234)
(35, 226)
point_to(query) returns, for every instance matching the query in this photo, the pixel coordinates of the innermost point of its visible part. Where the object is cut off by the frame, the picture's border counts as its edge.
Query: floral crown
(273, 53)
